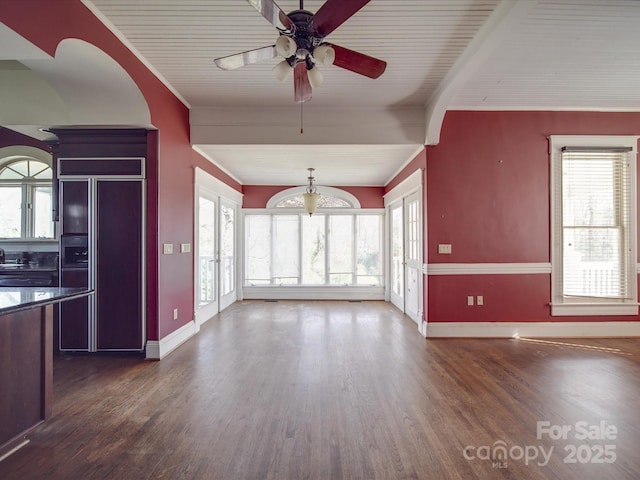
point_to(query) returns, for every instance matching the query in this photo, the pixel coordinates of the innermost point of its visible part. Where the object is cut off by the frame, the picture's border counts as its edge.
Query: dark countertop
(13, 299)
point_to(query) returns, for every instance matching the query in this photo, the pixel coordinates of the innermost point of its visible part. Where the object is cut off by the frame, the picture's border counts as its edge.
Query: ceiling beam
(320, 126)
(504, 20)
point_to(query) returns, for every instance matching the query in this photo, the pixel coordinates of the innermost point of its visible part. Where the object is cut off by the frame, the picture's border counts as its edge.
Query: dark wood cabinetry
(119, 265)
(75, 203)
(112, 211)
(101, 176)
(74, 314)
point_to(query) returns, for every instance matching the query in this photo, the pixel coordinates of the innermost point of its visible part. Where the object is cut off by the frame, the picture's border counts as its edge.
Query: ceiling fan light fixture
(282, 70)
(286, 46)
(324, 55)
(315, 77)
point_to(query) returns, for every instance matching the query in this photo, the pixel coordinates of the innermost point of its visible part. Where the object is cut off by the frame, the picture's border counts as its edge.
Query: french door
(215, 253)
(206, 265)
(227, 254)
(405, 269)
(413, 257)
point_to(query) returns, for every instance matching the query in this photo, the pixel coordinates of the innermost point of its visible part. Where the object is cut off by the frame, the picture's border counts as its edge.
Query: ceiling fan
(301, 44)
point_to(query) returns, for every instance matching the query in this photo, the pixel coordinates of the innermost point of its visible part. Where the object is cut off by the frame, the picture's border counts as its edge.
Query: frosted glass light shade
(324, 55)
(315, 77)
(286, 46)
(281, 70)
(310, 202)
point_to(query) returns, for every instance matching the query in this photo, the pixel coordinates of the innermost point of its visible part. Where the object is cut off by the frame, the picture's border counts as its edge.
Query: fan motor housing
(304, 34)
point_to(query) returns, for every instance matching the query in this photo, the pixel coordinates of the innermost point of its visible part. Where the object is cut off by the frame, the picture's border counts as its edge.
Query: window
(296, 201)
(594, 232)
(25, 196)
(323, 249)
(330, 198)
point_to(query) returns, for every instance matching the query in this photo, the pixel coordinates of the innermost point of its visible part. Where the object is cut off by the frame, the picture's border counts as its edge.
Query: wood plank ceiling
(441, 54)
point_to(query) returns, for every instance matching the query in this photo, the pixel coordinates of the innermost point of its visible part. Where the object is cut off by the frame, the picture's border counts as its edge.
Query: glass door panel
(413, 256)
(227, 255)
(207, 278)
(397, 256)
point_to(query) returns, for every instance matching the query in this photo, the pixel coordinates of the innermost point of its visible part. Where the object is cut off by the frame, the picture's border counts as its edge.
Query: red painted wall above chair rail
(488, 195)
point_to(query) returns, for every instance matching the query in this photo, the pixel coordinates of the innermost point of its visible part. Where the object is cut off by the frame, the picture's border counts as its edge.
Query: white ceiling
(441, 55)
(419, 39)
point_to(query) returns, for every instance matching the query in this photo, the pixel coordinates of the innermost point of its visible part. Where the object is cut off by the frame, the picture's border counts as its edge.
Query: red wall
(418, 162)
(170, 186)
(488, 196)
(257, 196)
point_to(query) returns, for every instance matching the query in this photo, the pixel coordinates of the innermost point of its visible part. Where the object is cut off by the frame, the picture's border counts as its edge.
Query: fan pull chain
(301, 119)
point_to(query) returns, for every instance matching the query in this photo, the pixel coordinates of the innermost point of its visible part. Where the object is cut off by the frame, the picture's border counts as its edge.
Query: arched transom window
(22, 169)
(25, 196)
(330, 197)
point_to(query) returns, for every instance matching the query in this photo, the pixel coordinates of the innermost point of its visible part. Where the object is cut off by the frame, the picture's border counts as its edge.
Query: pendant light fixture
(311, 197)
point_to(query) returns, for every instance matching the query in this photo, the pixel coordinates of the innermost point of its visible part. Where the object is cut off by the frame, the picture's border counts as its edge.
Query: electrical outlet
(175, 313)
(470, 300)
(479, 300)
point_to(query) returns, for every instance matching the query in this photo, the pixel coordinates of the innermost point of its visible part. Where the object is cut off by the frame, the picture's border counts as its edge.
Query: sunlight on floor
(572, 345)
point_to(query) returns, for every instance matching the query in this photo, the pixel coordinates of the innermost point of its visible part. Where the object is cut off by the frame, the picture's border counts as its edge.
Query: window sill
(593, 309)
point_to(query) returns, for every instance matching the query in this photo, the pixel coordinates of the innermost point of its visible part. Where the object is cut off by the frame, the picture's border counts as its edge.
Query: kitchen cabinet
(26, 370)
(73, 318)
(75, 202)
(119, 264)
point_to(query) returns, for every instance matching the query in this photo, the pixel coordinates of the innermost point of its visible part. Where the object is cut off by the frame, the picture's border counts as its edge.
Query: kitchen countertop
(13, 299)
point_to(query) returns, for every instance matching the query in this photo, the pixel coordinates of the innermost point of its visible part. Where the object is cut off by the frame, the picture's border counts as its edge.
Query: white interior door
(413, 257)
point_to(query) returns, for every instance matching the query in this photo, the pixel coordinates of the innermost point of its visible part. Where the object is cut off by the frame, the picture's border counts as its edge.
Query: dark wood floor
(338, 390)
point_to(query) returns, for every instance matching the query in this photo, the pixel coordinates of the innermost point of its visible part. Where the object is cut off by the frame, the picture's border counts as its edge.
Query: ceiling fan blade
(334, 13)
(302, 87)
(246, 58)
(358, 62)
(272, 12)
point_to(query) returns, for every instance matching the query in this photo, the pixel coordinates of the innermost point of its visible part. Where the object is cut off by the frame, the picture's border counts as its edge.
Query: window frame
(315, 291)
(590, 306)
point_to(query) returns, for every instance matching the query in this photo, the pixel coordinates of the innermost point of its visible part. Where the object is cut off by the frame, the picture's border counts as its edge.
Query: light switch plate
(167, 248)
(185, 247)
(444, 248)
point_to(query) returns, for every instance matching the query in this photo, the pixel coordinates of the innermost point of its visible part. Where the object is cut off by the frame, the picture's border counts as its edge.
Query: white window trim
(326, 191)
(562, 306)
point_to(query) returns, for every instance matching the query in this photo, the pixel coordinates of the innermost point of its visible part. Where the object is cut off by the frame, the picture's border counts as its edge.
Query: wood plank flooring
(339, 390)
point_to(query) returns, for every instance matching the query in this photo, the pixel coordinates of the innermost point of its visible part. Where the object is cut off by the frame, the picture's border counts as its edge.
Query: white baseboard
(156, 350)
(532, 329)
(313, 293)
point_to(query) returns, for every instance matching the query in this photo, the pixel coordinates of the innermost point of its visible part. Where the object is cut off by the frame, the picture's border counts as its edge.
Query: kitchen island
(26, 358)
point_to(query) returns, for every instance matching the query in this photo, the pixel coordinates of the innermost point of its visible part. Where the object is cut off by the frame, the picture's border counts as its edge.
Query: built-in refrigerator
(102, 222)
